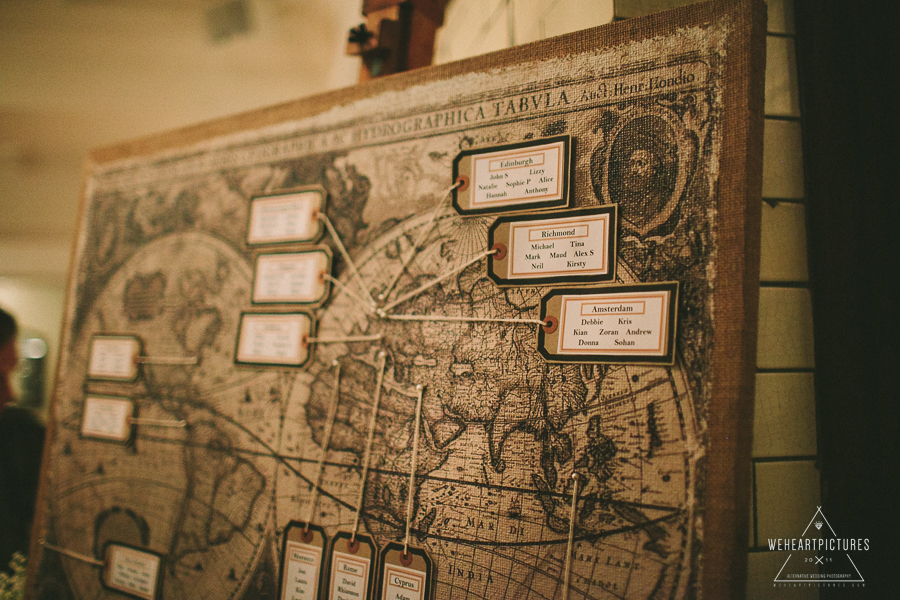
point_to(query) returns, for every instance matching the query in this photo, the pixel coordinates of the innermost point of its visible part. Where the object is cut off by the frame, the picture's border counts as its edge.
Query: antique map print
(163, 255)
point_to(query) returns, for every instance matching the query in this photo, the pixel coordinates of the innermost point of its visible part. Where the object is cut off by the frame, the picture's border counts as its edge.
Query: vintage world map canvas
(220, 454)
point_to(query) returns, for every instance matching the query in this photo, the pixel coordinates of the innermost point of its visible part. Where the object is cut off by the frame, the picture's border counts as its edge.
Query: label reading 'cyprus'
(623, 324)
(525, 176)
(297, 277)
(301, 574)
(403, 583)
(288, 217)
(273, 339)
(570, 246)
(114, 357)
(107, 418)
(132, 572)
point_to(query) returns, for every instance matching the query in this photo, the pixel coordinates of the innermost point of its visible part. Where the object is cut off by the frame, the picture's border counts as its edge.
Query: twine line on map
(72, 554)
(382, 311)
(412, 469)
(340, 245)
(367, 456)
(576, 477)
(461, 319)
(338, 340)
(415, 247)
(362, 303)
(158, 422)
(326, 441)
(166, 360)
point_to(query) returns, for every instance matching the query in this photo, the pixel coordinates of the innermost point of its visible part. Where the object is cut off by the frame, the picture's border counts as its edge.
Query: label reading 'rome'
(291, 278)
(107, 418)
(571, 246)
(623, 324)
(289, 217)
(349, 577)
(132, 571)
(301, 573)
(273, 339)
(114, 357)
(526, 176)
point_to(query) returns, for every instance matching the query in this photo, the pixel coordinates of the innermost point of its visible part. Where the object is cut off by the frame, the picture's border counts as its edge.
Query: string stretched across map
(664, 118)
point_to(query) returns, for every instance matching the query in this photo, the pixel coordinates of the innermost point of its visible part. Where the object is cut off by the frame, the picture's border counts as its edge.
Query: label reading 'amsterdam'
(297, 277)
(107, 418)
(529, 175)
(625, 324)
(286, 217)
(577, 246)
(132, 571)
(274, 339)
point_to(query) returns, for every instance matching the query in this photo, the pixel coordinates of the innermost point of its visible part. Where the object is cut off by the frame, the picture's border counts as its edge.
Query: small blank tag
(409, 577)
(276, 339)
(132, 571)
(532, 175)
(107, 418)
(301, 561)
(114, 357)
(286, 217)
(350, 573)
(297, 277)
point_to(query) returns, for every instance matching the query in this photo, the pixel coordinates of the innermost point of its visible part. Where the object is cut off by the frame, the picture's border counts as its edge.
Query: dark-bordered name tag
(621, 324)
(409, 575)
(573, 246)
(531, 175)
(301, 561)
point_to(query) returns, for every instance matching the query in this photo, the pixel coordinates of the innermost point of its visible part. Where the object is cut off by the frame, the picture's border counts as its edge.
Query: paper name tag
(622, 324)
(405, 577)
(114, 357)
(274, 339)
(297, 277)
(301, 565)
(577, 246)
(532, 175)
(107, 418)
(351, 570)
(132, 571)
(286, 217)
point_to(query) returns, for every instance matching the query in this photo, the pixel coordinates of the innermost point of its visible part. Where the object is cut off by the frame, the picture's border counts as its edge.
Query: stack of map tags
(611, 324)
(536, 241)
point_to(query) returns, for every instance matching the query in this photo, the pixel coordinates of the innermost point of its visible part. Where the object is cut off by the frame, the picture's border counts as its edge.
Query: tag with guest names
(622, 324)
(405, 576)
(277, 339)
(107, 418)
(531, 175)
(114, 357)
(132, 571)
(301, 561)
(576, 246)
(350, 572)
(297, 277)
(285, 217)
